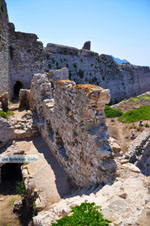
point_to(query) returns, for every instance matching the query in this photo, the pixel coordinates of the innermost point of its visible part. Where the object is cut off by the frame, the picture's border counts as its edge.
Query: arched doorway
(18, 85)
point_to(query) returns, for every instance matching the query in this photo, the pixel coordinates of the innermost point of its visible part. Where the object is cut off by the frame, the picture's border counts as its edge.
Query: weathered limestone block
(61, 74)
(24, 97)
(6, 131)
(72, 122)
(4, 101)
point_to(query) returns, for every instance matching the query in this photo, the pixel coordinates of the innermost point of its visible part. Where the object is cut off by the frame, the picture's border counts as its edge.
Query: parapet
(67, 50)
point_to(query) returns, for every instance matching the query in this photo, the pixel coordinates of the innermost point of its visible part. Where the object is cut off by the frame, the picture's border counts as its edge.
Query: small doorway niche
(18, 85)
(10, 175)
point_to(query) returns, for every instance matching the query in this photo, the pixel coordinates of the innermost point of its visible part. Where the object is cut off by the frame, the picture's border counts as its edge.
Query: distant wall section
(85, 66)
(3, 48)
(25, 57)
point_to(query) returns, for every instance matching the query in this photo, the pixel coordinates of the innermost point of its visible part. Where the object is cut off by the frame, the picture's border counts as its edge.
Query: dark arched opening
(10, 175)
(18, 85)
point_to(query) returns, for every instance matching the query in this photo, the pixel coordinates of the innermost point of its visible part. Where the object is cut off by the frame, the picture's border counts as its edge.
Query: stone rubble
(12, 129)
(139, 152)
(117, 201)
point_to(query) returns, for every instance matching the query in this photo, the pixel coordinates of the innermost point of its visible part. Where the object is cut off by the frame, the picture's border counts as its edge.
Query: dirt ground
(7, 217)
(120, 131)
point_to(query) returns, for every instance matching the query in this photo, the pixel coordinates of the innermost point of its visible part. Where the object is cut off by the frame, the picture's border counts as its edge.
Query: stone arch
(17, 86)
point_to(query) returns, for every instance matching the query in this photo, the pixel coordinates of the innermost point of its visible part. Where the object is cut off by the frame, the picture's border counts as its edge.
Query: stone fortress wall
(22, 56)
(72, 122)
(85, 66)
(3, 48)
(25, 57)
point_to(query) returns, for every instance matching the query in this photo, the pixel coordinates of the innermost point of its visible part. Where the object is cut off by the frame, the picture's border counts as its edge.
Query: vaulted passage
(18, 85)
(10, 175)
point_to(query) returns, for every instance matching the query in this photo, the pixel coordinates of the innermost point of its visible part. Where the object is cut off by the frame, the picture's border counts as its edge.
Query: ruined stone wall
(3, 48)
(73, 125)
(25, 57)
(6, 132)
(85, 66)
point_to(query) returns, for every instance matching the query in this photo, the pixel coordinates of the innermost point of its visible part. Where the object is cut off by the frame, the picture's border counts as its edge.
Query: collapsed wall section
(3, 48)
(73, 125)
(85, 66)
(25, 58)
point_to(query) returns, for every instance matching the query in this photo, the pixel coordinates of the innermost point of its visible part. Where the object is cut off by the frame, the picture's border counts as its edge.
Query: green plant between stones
(87, 214)
(21, 188)
(7, 114)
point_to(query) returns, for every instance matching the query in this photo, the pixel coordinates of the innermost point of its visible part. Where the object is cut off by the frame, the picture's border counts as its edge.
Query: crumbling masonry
(72, 122)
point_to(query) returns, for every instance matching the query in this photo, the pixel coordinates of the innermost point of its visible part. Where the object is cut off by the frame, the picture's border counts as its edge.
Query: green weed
(86, 214)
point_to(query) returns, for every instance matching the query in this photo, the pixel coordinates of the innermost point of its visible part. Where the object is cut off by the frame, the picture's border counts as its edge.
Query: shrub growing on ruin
(7, 114)
(86, 214)
(135, 115)
(112, 113)
(21, 188)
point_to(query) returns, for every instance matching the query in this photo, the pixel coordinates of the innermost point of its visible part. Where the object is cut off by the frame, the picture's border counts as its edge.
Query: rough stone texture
(24, 96)
(3, 48)
(125, 203)
(73, 125)
(26, 126)
(4, 101)
(87, 45)
(22, 128)
(54, 75)
(6, 131)
(139, 152)
(25, 57)
(85, 66)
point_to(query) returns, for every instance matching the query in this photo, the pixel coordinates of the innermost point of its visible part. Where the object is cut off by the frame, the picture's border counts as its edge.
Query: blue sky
(117, 27)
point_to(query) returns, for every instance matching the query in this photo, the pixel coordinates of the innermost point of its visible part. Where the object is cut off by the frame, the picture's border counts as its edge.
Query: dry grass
(121, 132)
(7, 217)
